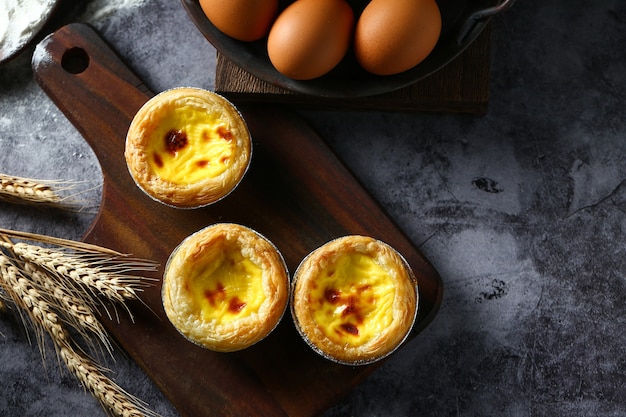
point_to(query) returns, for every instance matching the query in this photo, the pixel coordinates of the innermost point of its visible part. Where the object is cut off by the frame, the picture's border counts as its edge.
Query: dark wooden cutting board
(297, 193)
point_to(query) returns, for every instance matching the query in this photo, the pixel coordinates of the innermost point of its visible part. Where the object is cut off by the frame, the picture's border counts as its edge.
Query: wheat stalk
(76, 310)
(19, 190)
(113, 398)
(35, 304)
(81, 270)
(29, 299)
(97, 271)
(60, 285)
(50, 240)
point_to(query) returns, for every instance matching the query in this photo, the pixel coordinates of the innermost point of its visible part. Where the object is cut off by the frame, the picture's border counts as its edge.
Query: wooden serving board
(296, 193)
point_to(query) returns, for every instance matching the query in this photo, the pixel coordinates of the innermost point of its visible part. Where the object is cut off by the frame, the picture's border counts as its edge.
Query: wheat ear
(59, 194)
(55, 193)
(73, 307)
(89, 271)
(114, 400)
(98, 274)
(17, 189)
(30, 300)
(111, 396)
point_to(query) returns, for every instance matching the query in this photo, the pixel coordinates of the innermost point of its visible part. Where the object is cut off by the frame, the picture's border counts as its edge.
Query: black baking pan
(462, 22)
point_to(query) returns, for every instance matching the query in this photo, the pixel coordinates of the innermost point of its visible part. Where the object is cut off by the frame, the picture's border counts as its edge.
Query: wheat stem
(66, 243)
(59, 286)
(26, 295)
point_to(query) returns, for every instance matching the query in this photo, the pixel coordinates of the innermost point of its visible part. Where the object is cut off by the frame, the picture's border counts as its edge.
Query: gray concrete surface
(522, 211)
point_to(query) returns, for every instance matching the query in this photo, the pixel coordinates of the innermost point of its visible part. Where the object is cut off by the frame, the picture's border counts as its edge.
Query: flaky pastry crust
(358, 314)
(188, 117)
(189, 266)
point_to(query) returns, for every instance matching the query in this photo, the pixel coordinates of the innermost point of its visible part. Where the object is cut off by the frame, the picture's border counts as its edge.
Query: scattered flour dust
(102, 9)
(20, 21)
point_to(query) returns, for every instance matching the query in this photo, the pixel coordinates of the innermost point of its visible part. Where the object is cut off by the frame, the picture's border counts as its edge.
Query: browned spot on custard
(352, 313)
(332, 296)
(217, 295)
(235, 305)
(363, 288)
(224, 133)
(351, 308)
(350, 328)
(157, 160)
(175, 140)
(224, 160)
(202, 163)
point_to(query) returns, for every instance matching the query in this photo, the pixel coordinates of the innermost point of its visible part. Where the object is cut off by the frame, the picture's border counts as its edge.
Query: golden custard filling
(187, 147)
(225, 285)
(190, 144)
(352, 299)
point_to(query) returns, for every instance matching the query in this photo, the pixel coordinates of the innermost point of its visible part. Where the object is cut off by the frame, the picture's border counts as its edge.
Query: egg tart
(354, 300)
(225, 287)
(188, 147)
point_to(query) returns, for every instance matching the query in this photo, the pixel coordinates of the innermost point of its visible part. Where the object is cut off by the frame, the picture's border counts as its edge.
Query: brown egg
(310, 37)
(393, 36)
(244, 20)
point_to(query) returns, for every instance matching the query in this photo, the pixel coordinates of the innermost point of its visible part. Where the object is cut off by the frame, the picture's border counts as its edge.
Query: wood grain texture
(462, 86)
(296, 193)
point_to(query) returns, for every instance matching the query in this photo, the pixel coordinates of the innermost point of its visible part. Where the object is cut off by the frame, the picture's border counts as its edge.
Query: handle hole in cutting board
(75, 60)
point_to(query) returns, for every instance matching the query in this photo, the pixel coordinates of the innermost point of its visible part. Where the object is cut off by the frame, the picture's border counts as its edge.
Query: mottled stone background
(522, 211)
